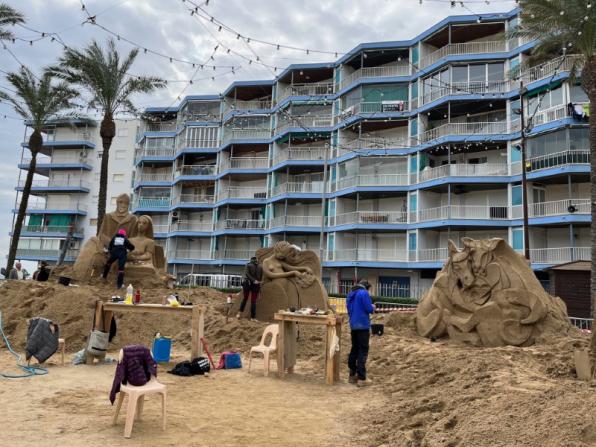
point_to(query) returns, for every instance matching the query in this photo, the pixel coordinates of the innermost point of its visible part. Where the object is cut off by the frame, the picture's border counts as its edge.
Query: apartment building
(66, 185)
(382, 155)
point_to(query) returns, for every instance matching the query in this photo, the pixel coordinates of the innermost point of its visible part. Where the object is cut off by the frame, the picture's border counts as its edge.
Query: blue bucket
(161, 349)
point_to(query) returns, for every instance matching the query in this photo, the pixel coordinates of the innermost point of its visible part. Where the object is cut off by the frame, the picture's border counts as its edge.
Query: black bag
(377, 329)
(200, 366)
(182, 369)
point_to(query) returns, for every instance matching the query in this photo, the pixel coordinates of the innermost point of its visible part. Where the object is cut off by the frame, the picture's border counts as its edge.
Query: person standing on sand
(18, 272)
(360, 307)
(118, 251)
(251, 284)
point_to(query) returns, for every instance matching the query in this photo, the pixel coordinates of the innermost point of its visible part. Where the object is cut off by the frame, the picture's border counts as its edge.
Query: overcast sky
(167, 27)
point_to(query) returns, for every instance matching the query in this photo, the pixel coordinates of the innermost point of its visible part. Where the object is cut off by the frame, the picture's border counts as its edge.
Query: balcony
(461, 212)
(192, 226)
(247, 106)
(581, 156)
(559, 255)
(429, 255)
(454, 49)
(199, 143)
(238, 192)
(246, 134)
(241, 224)
(193, 199)
(169, 126)
(305, 123)
(195, 170)
(153, 178)
(45, 254)
(369, 218)
(154, 153)
(463, 170)
(190, 254)
(310, 153)
(371, 255)
(371, 180)
(376, 72)
(152, 202)
(486, 128)
(233, 254)
(44, 230)
(315, 89)
(550, 68)
(373, 143)
(38, 205)
(244, 163)
(468, 88)
(161, 229)
(295, 221)
(57, 182)
(382, 107)
(554, 208)
(298, 188)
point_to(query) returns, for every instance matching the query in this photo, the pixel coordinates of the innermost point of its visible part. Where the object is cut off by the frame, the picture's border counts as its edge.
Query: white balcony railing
(57, 182)
(546, 116)
(152, 202)
(153, 153)
(169, 126)
(195, 170)
(202, 143)
(66, 205)
(241, 224)
(232, 253)
(307, 153)
(559, 255)
(429, 255)
(490, 128)
(244, 163)
(462, 212)
(553, 208)
(50, 229)
(257, 104)
(314, 89)
(578, 156)
(542, 71)
(369, 217)
(160, 228)
(467, 88)
(496, 46)
(40, 253)
(246, 134)
(298, 187)
(295, 221)
(362, 254)
(192, 199)
(149, 178)
(304, 122)
(373, 143)
(189, 254)
(372, 107)
(372, 180)
(239, 192)
(402, 69)
(462, 170)
(191, 225)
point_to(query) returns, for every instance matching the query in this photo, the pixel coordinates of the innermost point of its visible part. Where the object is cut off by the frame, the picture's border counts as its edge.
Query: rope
(28, 369)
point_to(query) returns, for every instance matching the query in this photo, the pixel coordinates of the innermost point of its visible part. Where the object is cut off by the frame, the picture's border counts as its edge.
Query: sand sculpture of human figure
(290, 279)
(487, 295)
(93, 254)
(144, 253)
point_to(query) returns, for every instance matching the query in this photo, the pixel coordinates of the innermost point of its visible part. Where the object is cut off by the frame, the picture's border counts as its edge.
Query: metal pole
(321, 235)
(524, 179)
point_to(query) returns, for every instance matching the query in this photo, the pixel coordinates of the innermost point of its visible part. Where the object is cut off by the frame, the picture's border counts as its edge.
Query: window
(517, 241)
(120, 155)
(495, 72)
(578, 94)
(459, 73)
(117, 178)
(477, 73)
(516, 195)
(412, 241)
(123, 132)
(93, 222)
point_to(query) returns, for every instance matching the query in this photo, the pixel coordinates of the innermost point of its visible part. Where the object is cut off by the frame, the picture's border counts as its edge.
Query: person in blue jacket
(360, 307)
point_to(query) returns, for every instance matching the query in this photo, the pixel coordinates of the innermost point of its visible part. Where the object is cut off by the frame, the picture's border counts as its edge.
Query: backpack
(200, 366)
(182, 369)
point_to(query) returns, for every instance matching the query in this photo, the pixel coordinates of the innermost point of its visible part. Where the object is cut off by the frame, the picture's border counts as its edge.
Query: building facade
(66, 184)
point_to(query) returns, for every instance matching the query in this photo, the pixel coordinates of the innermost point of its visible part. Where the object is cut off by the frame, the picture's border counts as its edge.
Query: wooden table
(286, 343)
(197, 322)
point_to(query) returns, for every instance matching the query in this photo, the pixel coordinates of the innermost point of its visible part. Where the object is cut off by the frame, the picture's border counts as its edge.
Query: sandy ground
(70, 407)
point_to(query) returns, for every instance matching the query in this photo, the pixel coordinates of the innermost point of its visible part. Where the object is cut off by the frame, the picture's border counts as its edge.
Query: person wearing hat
(360, 306)
(44, 272)
(118, 250)
(251, 284)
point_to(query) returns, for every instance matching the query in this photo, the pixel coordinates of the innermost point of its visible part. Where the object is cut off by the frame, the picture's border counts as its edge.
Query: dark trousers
(253, 291)
(359, 353)
(121, 258)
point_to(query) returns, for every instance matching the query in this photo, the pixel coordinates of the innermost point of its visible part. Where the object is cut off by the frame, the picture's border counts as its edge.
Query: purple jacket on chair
(136, 368)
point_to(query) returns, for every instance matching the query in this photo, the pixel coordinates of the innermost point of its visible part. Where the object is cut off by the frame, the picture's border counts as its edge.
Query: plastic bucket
(161, 349)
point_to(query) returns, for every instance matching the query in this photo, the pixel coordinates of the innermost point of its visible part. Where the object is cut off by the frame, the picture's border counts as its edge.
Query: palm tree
(570, 26)
(8, 16)
(36, 100)
(103, 73)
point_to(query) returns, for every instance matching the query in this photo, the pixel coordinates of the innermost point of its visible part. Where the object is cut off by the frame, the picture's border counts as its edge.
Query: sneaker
(362, 383)
(254, 320)
(353, 379)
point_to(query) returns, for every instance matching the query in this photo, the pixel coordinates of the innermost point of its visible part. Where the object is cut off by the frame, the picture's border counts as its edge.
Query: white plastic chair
(136, 399)
(266, 350)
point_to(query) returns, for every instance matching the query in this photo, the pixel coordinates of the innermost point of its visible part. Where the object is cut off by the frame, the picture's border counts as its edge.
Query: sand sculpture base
(487, 295)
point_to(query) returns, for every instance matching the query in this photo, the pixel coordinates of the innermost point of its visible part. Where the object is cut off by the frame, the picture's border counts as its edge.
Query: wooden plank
(148, 308)
(306, 319)
(98, 319)
(290, 346)
(337, 357)
(281, 350)
(328, 358)
(195, 333)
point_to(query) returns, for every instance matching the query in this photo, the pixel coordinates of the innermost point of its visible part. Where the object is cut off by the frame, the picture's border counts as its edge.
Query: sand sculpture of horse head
(487, 295)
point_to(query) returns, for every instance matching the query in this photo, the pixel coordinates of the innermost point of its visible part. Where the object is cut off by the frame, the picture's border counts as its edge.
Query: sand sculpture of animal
(487, 295)
(291, 278)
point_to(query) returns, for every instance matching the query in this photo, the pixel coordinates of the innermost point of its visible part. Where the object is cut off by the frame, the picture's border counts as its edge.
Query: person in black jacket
(44, 272)
(251, 284)
(118, 251)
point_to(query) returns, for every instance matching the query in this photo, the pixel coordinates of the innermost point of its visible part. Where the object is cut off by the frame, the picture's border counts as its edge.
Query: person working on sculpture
(118, 251)
(360, 307)
(251, 284)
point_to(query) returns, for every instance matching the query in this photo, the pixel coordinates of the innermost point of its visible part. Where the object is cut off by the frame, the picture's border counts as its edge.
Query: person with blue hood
(360, 307)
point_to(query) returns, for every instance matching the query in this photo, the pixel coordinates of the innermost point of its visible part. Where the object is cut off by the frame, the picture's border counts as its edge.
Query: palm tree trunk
(588, 76)
(35, 144)
(107, 132)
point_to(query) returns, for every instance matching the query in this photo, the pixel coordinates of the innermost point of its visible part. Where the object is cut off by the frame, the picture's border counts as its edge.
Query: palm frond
(8, 16)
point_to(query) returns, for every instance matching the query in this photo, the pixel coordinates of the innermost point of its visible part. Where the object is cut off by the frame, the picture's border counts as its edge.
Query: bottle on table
(129, 292)
(138, 297)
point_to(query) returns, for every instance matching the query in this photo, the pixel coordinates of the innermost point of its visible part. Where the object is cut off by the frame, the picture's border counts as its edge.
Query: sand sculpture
(145, 263)
(290, 279)
(487, 295)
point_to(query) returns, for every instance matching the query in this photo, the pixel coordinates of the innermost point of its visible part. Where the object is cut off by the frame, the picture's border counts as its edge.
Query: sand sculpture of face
(282, 250)
(122, 204)
(461, 265)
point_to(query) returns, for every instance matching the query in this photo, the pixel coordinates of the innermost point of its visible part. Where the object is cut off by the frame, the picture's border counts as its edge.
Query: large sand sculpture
(145, 265)
(291, 278)
(487, 295)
